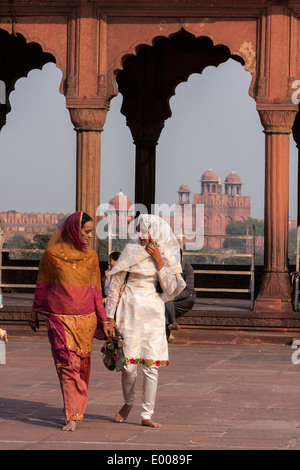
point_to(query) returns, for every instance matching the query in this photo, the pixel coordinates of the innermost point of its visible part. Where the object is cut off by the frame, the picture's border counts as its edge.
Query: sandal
(174, 326)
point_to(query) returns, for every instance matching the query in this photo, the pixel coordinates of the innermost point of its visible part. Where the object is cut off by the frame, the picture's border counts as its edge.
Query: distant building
(223, 204)
(220, 208)
(29, 224)
(120, 212)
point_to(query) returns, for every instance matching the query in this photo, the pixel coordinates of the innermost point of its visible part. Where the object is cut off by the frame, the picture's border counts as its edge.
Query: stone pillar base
(275, 293)
(272, 305)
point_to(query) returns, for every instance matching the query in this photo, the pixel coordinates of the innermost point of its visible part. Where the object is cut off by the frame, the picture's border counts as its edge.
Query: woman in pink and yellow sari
(68, 294)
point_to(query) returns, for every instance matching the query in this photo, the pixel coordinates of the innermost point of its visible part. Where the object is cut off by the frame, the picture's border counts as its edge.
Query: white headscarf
(134, 253)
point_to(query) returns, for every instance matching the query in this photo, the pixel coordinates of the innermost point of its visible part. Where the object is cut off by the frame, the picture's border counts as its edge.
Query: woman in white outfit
(152, 259)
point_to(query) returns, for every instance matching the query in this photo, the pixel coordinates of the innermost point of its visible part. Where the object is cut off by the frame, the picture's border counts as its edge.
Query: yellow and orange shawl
(68, 293)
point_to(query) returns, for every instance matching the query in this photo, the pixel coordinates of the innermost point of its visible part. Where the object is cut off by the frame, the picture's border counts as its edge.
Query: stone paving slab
(211, 397)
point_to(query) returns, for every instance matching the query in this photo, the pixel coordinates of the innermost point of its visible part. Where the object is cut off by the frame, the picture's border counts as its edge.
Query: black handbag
(113, 354)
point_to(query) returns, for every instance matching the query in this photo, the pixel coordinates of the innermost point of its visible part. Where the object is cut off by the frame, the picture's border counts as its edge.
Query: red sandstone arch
(245, 54)
(201, 52)
(27, 57)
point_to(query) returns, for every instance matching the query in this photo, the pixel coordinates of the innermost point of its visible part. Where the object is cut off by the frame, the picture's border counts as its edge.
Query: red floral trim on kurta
(147, 362)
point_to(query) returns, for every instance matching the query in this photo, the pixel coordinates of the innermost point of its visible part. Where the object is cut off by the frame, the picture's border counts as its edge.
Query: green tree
(241, 229)
(40, 241)
(292, 246)
(18, 241)
(236, 229)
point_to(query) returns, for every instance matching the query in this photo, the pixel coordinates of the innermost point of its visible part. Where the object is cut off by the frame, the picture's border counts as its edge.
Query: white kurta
(141, 313)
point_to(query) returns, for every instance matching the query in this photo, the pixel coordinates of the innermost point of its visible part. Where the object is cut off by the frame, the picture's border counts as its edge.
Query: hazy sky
(214, 124)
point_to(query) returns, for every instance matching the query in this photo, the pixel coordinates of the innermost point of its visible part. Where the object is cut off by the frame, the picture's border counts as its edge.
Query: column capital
(146, 132)
(88, 115)
(277, 118)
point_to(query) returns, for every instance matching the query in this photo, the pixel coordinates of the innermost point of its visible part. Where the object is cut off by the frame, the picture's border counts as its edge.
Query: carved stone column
(145, 137)
(88, 121)
(275, 290)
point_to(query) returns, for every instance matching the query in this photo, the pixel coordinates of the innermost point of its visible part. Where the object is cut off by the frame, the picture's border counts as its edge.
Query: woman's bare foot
(70, 426)
(123, 413)
(150, 423)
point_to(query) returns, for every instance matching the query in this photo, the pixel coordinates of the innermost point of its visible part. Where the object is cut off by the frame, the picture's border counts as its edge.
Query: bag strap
(122, 290)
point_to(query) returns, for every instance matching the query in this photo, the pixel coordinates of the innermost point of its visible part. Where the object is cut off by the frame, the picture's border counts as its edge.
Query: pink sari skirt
(74, 381)
(71, 341)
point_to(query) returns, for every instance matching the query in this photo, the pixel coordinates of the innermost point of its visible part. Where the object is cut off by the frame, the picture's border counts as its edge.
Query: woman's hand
(109, 328)
(33, 321)
(153, 250)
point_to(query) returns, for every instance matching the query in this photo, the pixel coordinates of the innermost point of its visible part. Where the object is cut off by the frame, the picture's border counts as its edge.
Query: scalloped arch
(245, 55)
(27, 56)
(60, 63)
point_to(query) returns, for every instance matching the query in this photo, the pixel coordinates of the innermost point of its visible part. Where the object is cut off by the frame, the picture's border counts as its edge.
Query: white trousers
(150, 380)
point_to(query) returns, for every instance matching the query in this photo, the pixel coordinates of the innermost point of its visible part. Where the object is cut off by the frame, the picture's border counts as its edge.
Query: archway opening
(215, 125)
(38, 147)
(294, 183)
(147, 82)
(37, 142)
(17, 58)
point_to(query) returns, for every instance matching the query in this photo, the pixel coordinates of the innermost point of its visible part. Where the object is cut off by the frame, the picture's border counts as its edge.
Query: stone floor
(211, 397)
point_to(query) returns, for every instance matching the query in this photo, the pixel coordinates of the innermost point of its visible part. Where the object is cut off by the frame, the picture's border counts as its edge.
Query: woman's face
(144, 235)
(86, 232)
(112, 262)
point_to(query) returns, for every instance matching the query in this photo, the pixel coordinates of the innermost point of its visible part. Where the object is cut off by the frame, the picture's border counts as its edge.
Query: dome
(184, 188)
(210, 175)
(121, 202)
(233, 178)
